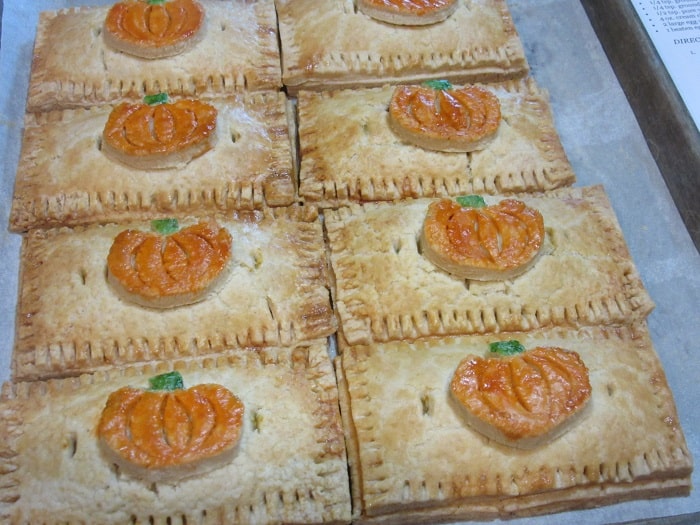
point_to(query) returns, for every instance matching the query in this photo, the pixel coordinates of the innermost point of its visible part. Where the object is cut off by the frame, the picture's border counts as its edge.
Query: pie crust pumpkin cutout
(471, 240)
(523, 398)
(168, 431)
(437, 116)
(166, 268)
(157, 134)
(154, 29)
(408, 12)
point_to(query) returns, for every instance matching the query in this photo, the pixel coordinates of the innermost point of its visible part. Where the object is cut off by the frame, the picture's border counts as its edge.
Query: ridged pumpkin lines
(160, 429)
(523, 396)
(164, 271)
(146, 135)
(150, 30)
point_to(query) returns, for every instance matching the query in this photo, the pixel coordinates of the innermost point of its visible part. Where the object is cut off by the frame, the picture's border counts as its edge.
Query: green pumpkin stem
(506, 348)
(165, 226)
(440, 85)
(156, 99)
(471, 201)
(168, 381)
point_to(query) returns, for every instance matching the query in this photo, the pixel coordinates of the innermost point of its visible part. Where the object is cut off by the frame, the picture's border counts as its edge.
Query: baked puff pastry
(75, 66)
(65, 178)
(350, 152)
(71, 319)
(331, 44)
(289, 465)
(386, 289)
(414, 458)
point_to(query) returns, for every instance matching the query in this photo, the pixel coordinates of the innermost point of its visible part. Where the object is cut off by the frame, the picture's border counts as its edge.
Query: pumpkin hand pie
(522, 398)
(169, 428)
(437, 116)
(471, 240)
(154, 28)
(169, 267)
(157, 134)
(408, 12)
(414, 458)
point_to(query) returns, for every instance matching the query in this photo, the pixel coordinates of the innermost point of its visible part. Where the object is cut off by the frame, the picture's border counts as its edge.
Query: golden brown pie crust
(329, 44)
(385, 289)
(349, 153)
(72, 65)
(250, 167)
(413, 458)
(70, 320)
(53, 471)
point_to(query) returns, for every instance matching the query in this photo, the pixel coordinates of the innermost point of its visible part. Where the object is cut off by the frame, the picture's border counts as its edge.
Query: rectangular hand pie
(70, 319)
(349, 152)
(331, 44)
(414, 458)
(386, 289)
(65, 178)
(73, 66)
(289, 465)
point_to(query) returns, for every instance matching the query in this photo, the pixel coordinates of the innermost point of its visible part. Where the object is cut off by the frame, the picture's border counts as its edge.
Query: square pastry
(386, 289)
(288, 466)
(414, 458)
(73, 317)
(74, 66)
(332, 44)
(65, 175)
(349, 151)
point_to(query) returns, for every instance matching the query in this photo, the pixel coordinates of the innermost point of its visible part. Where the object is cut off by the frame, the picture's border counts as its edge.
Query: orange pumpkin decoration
(484, 243)
(159, 136)
(164, 271)
(408, 12)
(150, 29)
(437, 116)
(525, 399)
(151, 430)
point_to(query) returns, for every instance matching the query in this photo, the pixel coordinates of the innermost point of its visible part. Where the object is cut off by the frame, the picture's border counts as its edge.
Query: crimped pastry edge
(581, 488)
(361, 325)
(326, 502)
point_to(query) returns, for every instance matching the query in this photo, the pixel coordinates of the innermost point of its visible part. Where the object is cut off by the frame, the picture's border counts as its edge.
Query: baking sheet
(603, 142)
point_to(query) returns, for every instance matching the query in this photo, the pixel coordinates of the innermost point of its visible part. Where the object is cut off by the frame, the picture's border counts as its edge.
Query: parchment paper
(604, 144)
